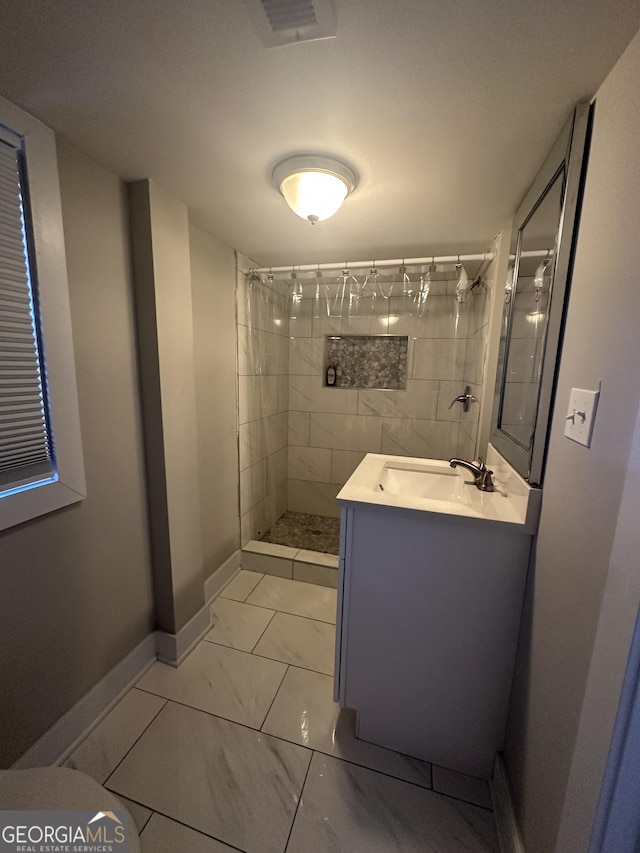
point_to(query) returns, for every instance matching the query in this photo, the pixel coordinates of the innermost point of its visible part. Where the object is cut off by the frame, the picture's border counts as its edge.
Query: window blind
(26, 451)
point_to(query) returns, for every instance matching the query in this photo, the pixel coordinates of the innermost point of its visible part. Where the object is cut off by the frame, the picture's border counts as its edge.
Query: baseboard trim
(509, 838)
(69, 731)
(63, 737)
(173, 648)
(221, 577)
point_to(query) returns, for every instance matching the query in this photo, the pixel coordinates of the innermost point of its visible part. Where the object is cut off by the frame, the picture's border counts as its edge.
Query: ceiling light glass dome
(314, 186)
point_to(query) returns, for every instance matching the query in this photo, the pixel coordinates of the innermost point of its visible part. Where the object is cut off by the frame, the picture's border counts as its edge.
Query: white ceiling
(446, 108)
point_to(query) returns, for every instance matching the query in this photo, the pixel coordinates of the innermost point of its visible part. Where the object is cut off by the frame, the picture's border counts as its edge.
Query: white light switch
(581, 415)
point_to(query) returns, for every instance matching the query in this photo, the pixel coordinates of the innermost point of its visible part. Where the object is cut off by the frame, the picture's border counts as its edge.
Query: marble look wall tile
(308, 394)
(219, 680)
(419, 400)
(427, 439)
(102, 750)
(301, 642)
(313, 498)
(277, 469)
(466, 446)
(343, 464)
(474, 361)
(261, 517)
(342, 432)
(447, 318)
(479, 305)
(242, 585)
(257, 397)
(304, 712)
(462, 787)
(276, 428)
(248, 527)
(242, 299)
(351, 324)
(253, 485)
(263, 308)
(306, 356)
(438, 359)
(163, 835)
(299, 429)
(310, 463)
(301, 319)
(253, 443)
(274, 353)
(248, 351)
(345, 807)
(467, 441)
(441, 317)
(251, 802)
(283, 393)
(298, 599)
(282, 500)
(236, 624)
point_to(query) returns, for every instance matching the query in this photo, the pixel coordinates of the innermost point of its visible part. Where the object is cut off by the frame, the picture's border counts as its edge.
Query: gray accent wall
(162, 283)
(75, 585)
(213, 274)
(573, 650)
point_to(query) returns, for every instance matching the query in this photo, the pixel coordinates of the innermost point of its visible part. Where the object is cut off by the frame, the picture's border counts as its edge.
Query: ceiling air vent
(281, 22)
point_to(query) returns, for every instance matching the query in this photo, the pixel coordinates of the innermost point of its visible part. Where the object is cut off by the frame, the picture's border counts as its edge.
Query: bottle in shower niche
(332, 375)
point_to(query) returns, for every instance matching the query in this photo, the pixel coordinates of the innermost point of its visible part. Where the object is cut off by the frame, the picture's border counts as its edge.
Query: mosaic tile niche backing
(368, 361)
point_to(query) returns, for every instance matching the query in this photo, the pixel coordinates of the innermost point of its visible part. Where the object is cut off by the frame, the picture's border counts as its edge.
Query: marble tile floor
(311, 532)
(241, 748)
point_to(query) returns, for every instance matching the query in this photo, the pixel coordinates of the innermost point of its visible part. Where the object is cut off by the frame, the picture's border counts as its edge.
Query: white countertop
(513, 502)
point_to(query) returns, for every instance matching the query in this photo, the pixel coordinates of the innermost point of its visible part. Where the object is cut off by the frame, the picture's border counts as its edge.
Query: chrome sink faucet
(481, 474)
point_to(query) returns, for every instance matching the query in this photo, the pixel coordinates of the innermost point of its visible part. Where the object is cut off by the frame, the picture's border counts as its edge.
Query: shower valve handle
(466, 399)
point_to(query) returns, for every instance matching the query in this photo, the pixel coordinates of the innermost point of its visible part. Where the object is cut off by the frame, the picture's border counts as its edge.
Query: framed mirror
(535, 297)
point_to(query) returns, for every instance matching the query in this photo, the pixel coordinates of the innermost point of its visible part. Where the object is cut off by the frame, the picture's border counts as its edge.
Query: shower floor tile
(311, 532)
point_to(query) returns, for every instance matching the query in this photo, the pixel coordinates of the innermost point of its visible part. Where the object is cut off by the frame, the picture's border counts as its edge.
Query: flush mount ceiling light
(314, 186)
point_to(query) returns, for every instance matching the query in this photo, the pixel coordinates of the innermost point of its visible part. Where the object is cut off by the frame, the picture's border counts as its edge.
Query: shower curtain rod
(396, 262)
(408, 262)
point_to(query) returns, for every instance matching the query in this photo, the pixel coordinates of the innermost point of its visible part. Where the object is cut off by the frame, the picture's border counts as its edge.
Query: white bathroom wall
(583, 593)
(331, 429)
(263, 398)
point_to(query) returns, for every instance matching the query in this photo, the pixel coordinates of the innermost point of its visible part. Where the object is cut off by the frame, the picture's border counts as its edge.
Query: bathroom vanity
(430, 591)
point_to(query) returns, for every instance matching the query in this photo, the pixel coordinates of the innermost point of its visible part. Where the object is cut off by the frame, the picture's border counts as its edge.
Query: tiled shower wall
(473, 374)
(263, 392)
(331, 429)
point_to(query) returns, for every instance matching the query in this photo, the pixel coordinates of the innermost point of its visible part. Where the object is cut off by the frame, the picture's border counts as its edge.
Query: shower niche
(367, 361)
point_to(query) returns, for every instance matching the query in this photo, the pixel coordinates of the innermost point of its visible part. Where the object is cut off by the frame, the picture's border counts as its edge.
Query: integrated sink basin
(431, 485)
(422, 480)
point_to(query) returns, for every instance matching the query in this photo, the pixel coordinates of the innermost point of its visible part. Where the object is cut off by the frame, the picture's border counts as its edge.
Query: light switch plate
(581, 415)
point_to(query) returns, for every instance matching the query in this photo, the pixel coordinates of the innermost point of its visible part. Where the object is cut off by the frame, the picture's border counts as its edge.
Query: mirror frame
(568, 153)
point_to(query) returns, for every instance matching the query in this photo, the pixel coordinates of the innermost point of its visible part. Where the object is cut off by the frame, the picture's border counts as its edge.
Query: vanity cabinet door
(430, 619)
